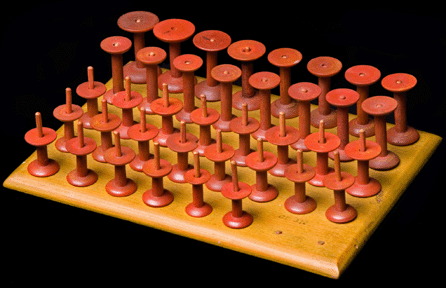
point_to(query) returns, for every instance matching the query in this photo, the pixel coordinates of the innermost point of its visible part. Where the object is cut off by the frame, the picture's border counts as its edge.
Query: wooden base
(309, 242)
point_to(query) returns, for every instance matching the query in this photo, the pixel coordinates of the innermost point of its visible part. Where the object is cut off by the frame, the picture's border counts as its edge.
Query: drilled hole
(246, 49)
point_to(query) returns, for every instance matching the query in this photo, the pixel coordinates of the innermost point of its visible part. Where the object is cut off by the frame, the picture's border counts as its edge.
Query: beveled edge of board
(328, 267)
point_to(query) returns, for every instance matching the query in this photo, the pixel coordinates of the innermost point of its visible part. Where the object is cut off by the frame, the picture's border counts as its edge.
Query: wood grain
(309, 242)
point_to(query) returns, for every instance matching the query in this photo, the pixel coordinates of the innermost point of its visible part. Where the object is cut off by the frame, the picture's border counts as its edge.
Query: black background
(46, 47)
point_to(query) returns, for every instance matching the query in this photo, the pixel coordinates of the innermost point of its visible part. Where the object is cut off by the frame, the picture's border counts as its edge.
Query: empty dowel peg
(81, 146)
(282, 136)
(321, 142)
(218, 153)
(119, 156)
(243, 126)
(304, 93)
(285, 58)
(260, 157)
(363, 151)
(226, 74)
(264, 81)
(39, 125)
(173, 31)
(187, 64)
(322, 138)
(379, 107)
(197, 177)
(204, 117)
(142, 132)
(236, 191)
(151, 57)
(210, 41)
(105, 123)
(282, 126)
(40, 137)
(126, 100)
(166, 99)
(182, 143)
(300, 173)
(157, 169)
(246, 51)
(261, 161)
(324, 68)
(362, 76)
(138, 23)
(245, 114)
(116, 46)
(342, 99)
(90, 91)
(67, 113)
(401, 134)
(338, 181)
(166, 107)
(204, 109)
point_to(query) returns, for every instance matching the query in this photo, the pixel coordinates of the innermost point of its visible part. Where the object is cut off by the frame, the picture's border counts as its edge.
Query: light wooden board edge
(403, 180)
(326, 266)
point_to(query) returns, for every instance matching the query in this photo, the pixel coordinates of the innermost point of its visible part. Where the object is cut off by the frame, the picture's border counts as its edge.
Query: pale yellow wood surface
(309, 242)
